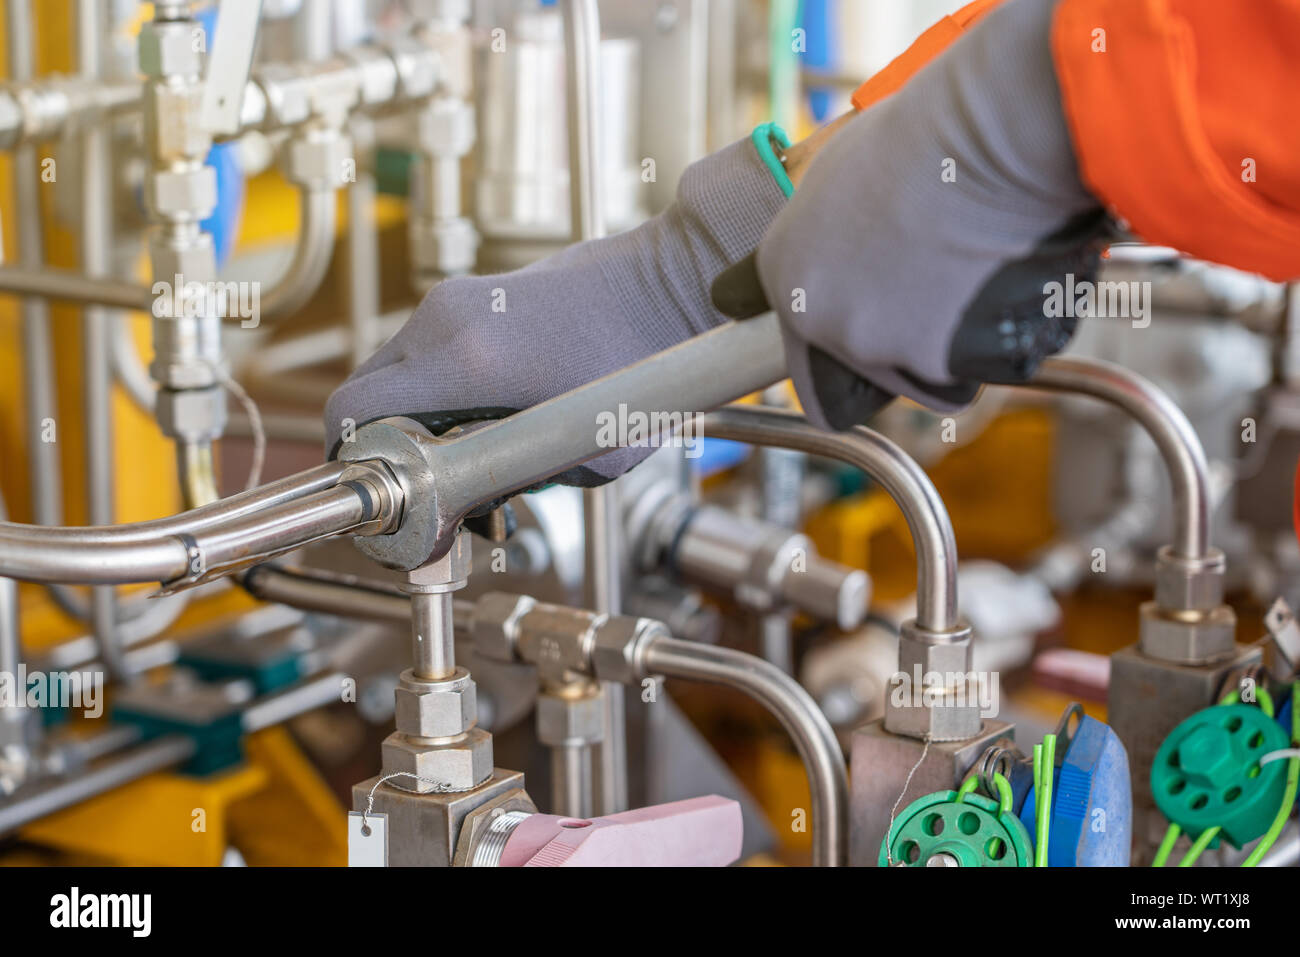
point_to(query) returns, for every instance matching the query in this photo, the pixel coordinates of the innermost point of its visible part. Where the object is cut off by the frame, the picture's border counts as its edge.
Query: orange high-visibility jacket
(1182, 114)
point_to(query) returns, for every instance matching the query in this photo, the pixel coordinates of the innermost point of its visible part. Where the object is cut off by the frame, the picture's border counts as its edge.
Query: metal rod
(96, 368)
(298, 699)
(604, 520)
(1174, 436)
(897, 473)
(798, 714)
(67, 285)
(433, 635)
(45, 799)
(572, 779)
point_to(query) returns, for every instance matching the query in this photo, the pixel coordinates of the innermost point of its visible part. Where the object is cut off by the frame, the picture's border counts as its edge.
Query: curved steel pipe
(793, 707)
(147, 551)
(898, 474)
(311, 255)
(1174, 436)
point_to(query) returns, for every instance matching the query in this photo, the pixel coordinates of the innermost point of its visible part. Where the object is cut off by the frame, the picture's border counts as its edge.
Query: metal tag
(367, 849)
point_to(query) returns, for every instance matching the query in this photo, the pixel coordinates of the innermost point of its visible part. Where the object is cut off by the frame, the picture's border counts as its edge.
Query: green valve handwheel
(958, 829)
(1207, 773)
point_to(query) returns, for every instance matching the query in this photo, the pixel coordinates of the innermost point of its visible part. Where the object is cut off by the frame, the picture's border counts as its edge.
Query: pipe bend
(311, 255)
(900, 476)
(793, 707)
(1163, 420)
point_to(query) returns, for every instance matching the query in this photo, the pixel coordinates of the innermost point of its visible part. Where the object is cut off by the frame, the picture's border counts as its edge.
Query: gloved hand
(912, 260)
(484, 347)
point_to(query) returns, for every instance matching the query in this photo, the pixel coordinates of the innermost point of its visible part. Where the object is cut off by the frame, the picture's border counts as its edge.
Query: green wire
(1043, 818)
(1202, 842)
(1288, 798)
(1167, 845)
(970, 784)
(1265, 700)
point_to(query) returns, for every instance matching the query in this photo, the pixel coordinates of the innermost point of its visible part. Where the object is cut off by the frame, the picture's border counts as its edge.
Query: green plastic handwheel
(1207, 773)
(971, 834)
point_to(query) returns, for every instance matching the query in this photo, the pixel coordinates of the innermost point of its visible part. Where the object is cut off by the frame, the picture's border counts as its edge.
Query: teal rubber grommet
(971, 832)
(763, 136)
(1207, 773)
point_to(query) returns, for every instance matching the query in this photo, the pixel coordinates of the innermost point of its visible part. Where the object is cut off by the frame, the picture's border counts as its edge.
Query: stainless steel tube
(1174, 436)
(292, 701)
(897, 473)
(604, 521)
(700, 374)
(152, 551)
(798, 714)
(311, 255)
(66, 285)
(572, 780)
(433, 636)
(45, 799)
(96, 356)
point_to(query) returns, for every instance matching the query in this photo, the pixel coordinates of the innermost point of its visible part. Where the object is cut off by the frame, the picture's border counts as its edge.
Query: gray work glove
(483, 347)
(913, 258)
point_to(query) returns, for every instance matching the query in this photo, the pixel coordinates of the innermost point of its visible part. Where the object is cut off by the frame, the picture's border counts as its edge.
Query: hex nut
(171, 48)
(417, 67)
(175, 112)
(191, 193)
(575, 720)
(319, 160)
(194, 415)
(377, 73)
(939, 722)
(620, 641)
(1189, 639)
(496, 618)
(444, 246)
(445, 128)
(436, 709)
(195, 261)
(460, 765)
(945, 654)
(1189, 584)
(288, 93)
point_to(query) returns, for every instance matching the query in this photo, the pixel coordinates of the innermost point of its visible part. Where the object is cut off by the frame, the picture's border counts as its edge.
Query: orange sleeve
(1183, 117)
(924, 49)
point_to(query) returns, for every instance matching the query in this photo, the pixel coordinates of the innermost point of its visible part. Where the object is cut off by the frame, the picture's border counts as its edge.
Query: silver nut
(955, 717)
(193, 415)
(288, 93)
(1193, 638)
(445, 128)
(178, 134)
(171, 48)
(320, 160)
(1184, 584)
(456, 766)
(191, 193)
(377, 73)
(417, 67)
(564, 720)
(445, 246)
(194, 261)
(436, 709)
(930, 653)
(496, 619)
(616, 654)
(446, 573)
